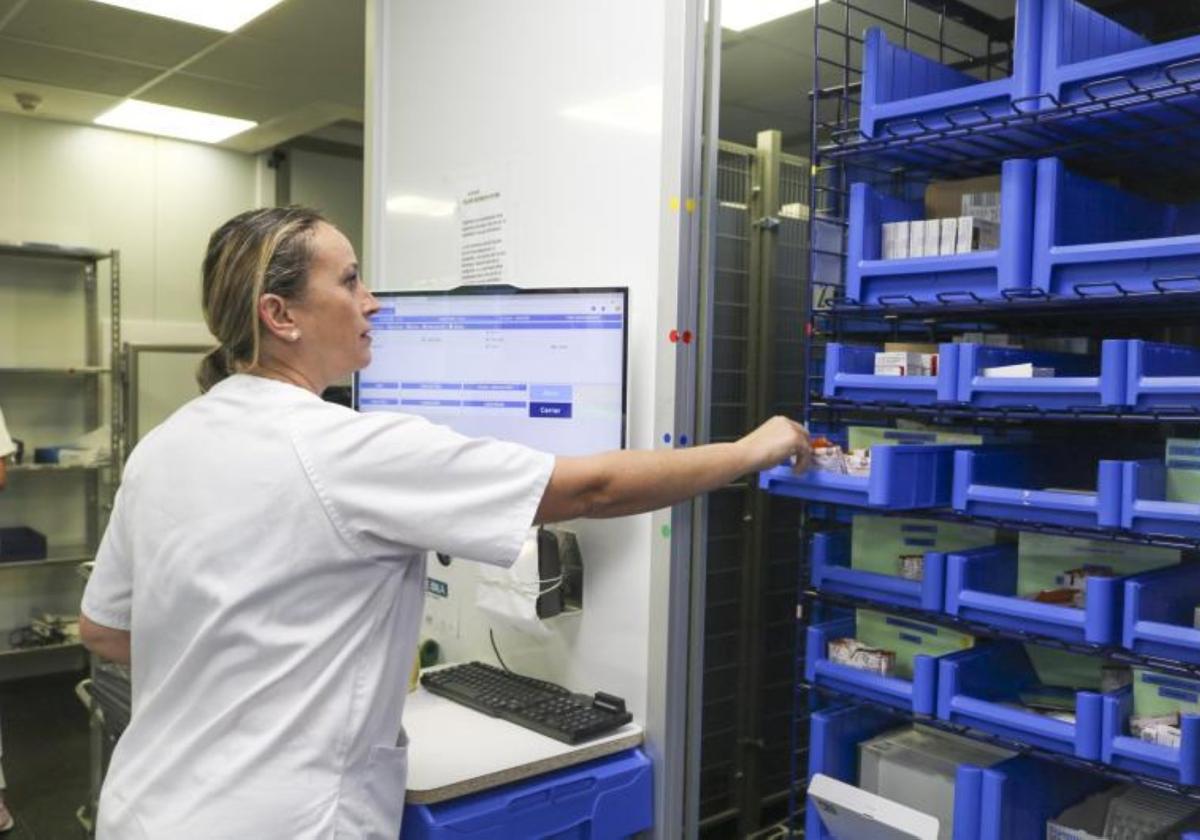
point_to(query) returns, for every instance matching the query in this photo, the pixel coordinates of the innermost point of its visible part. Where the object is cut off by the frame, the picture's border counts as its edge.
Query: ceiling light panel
(163, 120)
(745, 14)
(225, 15)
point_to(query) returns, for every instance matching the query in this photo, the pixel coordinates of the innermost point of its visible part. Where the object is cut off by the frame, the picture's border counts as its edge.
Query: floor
(44, 730)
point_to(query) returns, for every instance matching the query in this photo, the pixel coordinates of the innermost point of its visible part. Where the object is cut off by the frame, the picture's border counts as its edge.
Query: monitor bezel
(494, 290)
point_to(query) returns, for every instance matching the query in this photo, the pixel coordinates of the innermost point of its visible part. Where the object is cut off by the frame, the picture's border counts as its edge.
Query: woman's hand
(774, 442)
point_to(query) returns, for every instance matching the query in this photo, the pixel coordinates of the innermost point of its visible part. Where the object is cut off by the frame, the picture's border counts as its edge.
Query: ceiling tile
(750, 68)
(21, 60)
(329, 74)
(245, 102)
(110, 31)
(7, 6)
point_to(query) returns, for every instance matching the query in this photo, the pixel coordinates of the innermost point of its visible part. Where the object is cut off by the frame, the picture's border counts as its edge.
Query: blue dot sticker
(683, 440)
(667, 437)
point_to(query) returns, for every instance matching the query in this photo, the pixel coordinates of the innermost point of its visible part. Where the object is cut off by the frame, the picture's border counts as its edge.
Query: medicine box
(976, 235)
(948, 238)
(1183, 470)
(933, 233)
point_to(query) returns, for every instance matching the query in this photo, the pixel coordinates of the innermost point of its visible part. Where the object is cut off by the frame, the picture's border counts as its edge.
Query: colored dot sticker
(667, 437)
(666, 532)
(673, 336)
(683, 440)
(687, 336)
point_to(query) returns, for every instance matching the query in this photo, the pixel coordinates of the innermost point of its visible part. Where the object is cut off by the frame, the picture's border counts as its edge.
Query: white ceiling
(295, 70)
(298, 70)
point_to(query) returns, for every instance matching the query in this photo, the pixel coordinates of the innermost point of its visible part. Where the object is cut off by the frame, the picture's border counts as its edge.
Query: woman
(263, 566)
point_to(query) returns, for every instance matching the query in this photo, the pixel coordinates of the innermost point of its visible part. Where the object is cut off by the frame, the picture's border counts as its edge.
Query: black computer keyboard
(535, 704)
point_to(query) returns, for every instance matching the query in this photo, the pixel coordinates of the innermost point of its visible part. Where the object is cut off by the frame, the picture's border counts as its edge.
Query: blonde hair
(265, 251)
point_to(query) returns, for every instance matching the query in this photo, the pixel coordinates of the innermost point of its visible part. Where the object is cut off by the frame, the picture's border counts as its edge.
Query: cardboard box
(948, 238)
(1183, 470)
(981, 205)
(906, 638)
(1021, 371)
(909, 347)
(916, 238)
(895, 240)
(933, 233)
(945, 198)
(1043, 560)
(975, 234)
(905, 364)
(878, 543)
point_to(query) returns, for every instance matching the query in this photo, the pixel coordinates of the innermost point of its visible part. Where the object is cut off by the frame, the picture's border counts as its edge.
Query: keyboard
(534, 704)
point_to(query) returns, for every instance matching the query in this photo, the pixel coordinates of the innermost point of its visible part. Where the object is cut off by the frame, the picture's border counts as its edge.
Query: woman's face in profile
(333, 313)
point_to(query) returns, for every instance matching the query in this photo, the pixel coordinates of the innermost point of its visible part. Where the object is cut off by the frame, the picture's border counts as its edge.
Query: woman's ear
(276, 316)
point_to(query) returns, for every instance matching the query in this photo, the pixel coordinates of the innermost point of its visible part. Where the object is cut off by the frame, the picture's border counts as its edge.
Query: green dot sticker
(666, 531)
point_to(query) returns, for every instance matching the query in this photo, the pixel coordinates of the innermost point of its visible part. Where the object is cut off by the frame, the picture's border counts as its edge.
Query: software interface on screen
(542, 369)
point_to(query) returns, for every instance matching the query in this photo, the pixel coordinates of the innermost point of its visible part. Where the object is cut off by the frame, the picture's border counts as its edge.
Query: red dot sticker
(687, 336)
(673, 336)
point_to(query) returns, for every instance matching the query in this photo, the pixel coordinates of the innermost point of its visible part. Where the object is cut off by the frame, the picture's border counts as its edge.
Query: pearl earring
(295, 336)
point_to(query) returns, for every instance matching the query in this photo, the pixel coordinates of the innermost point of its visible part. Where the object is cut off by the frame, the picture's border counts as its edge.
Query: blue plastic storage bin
(974, 685)
(850, 375)
(834, 736)
(831, 572)
(904, 93)
(917, 695)
(1158, 613)
(1125, 752)
(1009, 484)
(1079, 381)
(982, 275)
(1144, 507)
(1162, 376)
(1092, 239)
(1087, 56)
(608, 797)
(1018, 796)
(905, 477)
(981, 585)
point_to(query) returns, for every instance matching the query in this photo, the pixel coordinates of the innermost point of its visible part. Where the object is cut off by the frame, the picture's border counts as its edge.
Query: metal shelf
(7, 652)
(1014, 414)
(1173, 300)
(1161, 785)
(81, 370)
(46, 250)
(830, 513)
(53, 468)
(976, 628)
(1110, 128)
(64, 556)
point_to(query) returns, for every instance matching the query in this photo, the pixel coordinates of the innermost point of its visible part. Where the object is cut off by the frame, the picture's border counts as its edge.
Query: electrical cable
(496, 650)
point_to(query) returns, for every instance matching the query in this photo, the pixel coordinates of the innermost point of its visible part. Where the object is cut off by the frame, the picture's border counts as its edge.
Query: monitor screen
(545, 368)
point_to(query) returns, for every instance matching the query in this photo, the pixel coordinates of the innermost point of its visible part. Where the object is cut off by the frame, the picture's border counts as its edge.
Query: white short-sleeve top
(266, 554)
(7, 447)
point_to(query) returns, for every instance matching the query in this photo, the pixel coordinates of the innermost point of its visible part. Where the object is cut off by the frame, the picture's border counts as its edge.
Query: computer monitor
(544, 367)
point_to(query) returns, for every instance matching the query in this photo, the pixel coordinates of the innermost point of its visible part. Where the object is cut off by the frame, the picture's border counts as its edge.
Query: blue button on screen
(546, 409)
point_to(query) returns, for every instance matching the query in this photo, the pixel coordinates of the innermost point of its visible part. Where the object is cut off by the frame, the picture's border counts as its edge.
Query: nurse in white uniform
(263, 572)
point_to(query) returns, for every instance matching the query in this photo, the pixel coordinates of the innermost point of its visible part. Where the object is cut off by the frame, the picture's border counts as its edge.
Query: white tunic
(7, 447)
(265, 553)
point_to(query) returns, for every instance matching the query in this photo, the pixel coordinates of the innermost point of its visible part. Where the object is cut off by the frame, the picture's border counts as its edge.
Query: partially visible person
(7, 448)
(263, 570)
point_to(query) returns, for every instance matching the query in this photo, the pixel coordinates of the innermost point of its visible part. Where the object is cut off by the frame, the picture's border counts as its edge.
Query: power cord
(496, 650)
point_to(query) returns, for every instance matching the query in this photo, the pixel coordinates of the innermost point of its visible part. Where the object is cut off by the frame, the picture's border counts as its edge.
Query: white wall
(333, 185)
(156, 201)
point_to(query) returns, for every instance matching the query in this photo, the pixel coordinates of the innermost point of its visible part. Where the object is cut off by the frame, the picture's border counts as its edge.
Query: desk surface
(454, 750)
